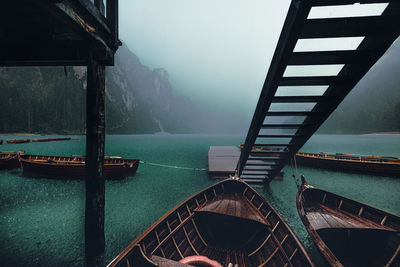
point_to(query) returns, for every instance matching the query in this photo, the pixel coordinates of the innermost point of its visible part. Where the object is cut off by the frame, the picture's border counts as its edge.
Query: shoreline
(384, 134)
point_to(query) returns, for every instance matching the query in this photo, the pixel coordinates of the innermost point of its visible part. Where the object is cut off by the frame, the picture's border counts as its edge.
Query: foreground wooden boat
(9, 160)
(349, 162)
(349, 233)
(18, 141)
(227, 224)
(114, 167)
(51, 139)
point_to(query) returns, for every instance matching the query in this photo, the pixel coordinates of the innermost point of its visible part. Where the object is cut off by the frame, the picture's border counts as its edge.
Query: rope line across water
(172, 166)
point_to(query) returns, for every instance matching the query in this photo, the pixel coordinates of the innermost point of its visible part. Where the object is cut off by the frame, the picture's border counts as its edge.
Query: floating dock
(222, 161)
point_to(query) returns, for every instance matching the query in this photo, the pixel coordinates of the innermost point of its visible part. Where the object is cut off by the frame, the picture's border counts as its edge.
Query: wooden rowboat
(349, 233)
(353, 163)
(114, 167)
(51, 139)
(227, 224)
(9, 160)
(18, 141)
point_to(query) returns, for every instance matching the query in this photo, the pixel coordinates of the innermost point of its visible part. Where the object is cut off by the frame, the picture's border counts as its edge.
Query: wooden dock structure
(70, 33)
(222, 161)
(303, 106)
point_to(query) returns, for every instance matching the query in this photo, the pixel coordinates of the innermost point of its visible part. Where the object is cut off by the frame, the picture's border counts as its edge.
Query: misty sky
(216, 51)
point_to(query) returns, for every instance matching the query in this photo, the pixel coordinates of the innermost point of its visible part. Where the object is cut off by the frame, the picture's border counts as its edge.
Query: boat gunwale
(318, 241)
(136, 241)
(80, 161)
(351, 158)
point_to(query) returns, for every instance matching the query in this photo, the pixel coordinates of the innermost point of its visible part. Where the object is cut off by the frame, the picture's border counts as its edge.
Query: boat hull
(390, 168)
(74, 167)
(228, 223)
(52, 139)
(346, 232)
(9, 161)
(18, 141)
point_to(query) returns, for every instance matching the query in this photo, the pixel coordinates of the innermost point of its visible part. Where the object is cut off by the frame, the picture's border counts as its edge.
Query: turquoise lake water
(42, 220)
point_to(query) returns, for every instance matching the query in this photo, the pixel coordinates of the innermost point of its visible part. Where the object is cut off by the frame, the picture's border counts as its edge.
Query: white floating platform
(222, 161)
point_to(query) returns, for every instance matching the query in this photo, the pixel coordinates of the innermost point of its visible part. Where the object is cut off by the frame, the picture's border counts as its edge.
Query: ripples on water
(42, 220)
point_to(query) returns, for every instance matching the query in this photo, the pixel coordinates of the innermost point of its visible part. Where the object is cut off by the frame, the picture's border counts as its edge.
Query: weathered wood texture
(52, 33)
(95, 137)
(73, 167)
(228, 222)
(349, 233)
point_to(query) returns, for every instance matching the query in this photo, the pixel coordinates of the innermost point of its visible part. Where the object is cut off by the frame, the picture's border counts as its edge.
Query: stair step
(267, 145)
(331, 57)
(347, 27)
(279, 135)
(299, 99)
(266, 152)
(285, 126)
(253, 180)
(315, 80)
(266, 158)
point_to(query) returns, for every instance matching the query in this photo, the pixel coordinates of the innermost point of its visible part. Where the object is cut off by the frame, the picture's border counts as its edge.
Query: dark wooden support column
(95, 137)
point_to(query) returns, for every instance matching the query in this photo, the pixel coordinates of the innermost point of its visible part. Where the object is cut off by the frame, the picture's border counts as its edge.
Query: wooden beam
(112, 17)
(347, 27)
(331, 57)
(95, 138)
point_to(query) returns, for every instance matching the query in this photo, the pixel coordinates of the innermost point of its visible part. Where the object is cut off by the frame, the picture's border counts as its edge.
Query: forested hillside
(52, 99)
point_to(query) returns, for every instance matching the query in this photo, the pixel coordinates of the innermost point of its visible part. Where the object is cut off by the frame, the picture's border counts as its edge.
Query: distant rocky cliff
(52, 99)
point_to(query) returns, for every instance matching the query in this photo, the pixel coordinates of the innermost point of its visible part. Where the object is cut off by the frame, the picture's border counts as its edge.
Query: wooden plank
(317, 80)
(345, 2)
(112, 17)
(299, 99)
(347, 27)
(331, 57)
(95, 139)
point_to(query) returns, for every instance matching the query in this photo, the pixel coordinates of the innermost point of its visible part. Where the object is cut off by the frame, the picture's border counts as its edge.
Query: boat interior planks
(349, 233)
(229, 223)
(74, 166)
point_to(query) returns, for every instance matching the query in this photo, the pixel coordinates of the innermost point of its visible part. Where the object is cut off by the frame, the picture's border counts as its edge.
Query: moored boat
(9, 160)
(349, 162)
(18, 141)
(51, 139)
(227, 224)
(60, 166)
(346, 232)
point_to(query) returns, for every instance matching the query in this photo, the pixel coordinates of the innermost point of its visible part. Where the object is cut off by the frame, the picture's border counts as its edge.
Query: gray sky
(216, 51)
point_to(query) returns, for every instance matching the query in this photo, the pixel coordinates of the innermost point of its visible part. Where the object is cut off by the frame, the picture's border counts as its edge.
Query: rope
(172, 166)
(295, 175)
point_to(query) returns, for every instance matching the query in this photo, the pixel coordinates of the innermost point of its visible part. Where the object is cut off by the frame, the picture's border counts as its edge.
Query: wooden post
(95, 137)
(112, 17)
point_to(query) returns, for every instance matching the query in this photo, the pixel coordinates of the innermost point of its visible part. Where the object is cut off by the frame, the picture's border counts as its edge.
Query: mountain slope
(374, 104)
(51, 100)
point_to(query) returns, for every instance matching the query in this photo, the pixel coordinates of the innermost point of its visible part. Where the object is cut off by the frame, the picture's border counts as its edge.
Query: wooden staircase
(317, 61)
